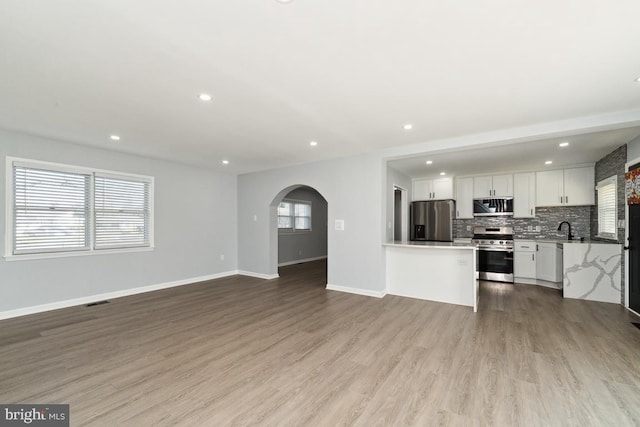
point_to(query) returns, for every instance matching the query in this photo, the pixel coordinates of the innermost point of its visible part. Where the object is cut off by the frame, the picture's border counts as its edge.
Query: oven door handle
(495, 250)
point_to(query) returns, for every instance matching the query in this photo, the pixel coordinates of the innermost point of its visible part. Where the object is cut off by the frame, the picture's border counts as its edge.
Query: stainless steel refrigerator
(432, 220)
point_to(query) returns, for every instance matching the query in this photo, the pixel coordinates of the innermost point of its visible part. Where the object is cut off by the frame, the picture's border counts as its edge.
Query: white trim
(110, 295)
(637, 314)
(62, 254)
(258, 275)
(300, 261)
(357, 291)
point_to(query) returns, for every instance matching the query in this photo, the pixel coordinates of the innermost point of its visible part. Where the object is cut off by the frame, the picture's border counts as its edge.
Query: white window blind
(607, 208)
(121, 212)
(294, 215)
(50, 210)
(54, 208)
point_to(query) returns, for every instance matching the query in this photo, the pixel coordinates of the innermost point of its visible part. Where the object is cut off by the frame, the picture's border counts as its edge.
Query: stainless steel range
(495, 253)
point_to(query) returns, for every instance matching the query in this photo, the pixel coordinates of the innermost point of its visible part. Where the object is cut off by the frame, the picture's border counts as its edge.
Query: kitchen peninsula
(434, 271)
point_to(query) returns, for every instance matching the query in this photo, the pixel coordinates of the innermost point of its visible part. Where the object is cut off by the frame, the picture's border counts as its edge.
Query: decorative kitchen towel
(632, 186)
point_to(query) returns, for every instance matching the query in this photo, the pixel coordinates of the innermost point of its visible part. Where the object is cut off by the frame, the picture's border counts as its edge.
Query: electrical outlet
(255, 218)
(221, 257)
(529, 228)
(538, 228)
(468, 228)
(300, 252)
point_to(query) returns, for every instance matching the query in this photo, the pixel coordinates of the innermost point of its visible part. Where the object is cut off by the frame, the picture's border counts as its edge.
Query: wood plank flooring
(287, 352)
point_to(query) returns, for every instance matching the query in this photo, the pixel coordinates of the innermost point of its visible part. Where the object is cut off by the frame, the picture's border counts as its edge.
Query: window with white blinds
(57, 208)
(607, 208)
(121, 212)
(50, 210)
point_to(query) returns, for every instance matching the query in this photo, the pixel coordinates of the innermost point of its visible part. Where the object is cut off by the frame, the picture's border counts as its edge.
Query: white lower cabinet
(524, 261)
(549, 262)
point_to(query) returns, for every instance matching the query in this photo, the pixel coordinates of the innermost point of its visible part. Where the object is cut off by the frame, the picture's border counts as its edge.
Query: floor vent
(97, 303)
(637, 325)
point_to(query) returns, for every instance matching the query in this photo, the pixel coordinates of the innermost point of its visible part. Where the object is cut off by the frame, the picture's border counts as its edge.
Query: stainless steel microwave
(496, 206)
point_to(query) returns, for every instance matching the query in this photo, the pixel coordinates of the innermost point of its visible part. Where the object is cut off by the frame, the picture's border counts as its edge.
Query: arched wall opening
(290, 245)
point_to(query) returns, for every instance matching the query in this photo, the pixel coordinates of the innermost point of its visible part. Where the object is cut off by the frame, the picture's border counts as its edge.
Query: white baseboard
(300, 261)
(357, 291)
(637, 314)
(109, 295)
(258, 275)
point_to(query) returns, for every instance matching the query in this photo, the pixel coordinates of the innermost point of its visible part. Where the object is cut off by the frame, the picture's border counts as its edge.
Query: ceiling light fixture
(284, 1)
(225, 162)
(429, 162)
(563, 144)
(408, 126)
(637, 80)
(548, 162)
(313, 143)
(115, 138)
(205, 97)
(442, 174)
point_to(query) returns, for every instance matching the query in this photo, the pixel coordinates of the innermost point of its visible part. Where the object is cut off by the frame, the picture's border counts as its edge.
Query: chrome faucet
(569, 236)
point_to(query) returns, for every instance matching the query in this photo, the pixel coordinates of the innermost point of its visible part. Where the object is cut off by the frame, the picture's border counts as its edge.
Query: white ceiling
(346, 73)
(530, 156)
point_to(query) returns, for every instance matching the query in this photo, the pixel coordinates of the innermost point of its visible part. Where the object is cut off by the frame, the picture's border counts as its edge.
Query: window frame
(90, 228)
(294, 230)
(612, 180)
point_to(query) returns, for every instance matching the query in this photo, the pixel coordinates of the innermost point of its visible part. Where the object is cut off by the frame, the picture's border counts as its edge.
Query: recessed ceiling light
(408, 126)
(442, 173)
(548, 162)
(429, 162)
(563, 144)
(313, 143)
(205, 97)
(284, 1)
(225, 162)
(115, 138)
(637, 80)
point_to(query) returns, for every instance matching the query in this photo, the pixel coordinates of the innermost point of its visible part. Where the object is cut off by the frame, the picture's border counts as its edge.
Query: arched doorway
(298, 230)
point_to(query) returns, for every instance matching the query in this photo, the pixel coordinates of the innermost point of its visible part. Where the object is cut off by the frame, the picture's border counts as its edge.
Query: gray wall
(395, 177)
(633, 150)
(306, 244)
(353, 189)
(195, 222)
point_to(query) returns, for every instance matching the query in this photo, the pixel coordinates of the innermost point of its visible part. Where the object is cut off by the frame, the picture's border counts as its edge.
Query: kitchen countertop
(427, 245)
(565, 241)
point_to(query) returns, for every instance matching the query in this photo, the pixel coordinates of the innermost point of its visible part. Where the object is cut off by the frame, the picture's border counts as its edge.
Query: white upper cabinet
(579, 186)
(568, 187)
(493, 186)
(524, 195)
(432, 189)
(464, 198)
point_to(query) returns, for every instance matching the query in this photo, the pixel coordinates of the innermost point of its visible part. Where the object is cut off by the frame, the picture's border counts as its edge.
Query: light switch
(255, 218)
(621, 223)
(340, 224)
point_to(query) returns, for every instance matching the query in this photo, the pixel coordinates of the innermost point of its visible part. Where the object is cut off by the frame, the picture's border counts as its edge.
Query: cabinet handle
(566, 199)
(537, 248)
(457, 213)
(561, 198)
(532, 211)
(533, 257)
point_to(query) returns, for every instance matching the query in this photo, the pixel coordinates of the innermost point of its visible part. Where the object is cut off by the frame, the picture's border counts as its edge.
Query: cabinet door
(524, 195)
(550, 188)
(422, 189)
(503, 185)
(524, 264)
(443, 188)
(579, 184)
(549, 262)
(482, 186)
(464, 198)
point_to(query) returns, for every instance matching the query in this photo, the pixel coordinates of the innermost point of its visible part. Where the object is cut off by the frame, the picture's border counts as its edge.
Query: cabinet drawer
(524, 246)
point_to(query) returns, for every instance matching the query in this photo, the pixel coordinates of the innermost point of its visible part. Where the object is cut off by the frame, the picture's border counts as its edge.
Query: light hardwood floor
(243, 351)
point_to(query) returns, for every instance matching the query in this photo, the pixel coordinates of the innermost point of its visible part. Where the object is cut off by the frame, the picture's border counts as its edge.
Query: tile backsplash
(547, 218)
